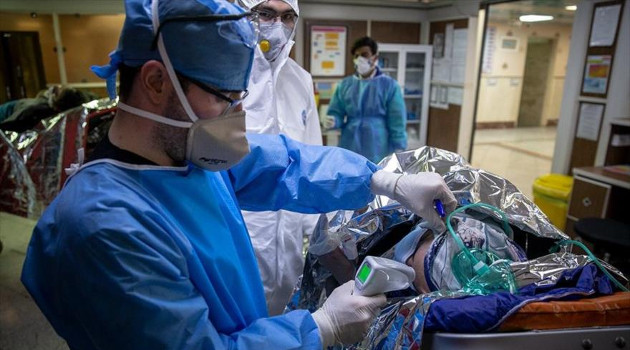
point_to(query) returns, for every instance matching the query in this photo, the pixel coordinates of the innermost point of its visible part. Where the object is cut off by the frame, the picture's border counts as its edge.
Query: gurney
(402, 324)
(597, 323)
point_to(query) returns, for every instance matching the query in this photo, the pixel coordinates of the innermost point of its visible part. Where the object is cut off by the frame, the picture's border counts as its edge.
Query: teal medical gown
(150, 257)
(371, 114)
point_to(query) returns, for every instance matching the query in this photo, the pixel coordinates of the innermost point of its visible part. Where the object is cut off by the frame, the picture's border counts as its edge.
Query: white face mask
(362, 65)
(277, 34)
(213, 144)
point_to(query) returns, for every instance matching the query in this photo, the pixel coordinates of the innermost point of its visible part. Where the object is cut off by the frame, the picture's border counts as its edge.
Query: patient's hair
(69, 98)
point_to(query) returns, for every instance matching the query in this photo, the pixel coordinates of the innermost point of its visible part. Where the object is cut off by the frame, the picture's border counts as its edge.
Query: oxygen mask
(480, 271)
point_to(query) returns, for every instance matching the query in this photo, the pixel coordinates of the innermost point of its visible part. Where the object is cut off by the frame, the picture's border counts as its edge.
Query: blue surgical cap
(219, 54)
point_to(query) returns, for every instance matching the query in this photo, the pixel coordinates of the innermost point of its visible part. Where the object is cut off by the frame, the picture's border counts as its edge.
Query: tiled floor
(22, 325)
(519, 155)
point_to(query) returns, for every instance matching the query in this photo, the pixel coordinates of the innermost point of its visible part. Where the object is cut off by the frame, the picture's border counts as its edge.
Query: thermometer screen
(364, 273)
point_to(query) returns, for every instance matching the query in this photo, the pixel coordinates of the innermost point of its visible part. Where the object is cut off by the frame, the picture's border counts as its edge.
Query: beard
(169, 138)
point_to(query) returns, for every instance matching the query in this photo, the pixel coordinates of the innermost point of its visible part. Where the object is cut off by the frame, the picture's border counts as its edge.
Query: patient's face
(417, 262)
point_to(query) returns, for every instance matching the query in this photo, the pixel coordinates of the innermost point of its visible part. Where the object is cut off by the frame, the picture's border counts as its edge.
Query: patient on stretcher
(432, 255)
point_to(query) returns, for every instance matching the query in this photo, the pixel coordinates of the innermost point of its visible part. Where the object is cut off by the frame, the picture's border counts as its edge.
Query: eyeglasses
(229, 26)
(232, 102)
(268, 15)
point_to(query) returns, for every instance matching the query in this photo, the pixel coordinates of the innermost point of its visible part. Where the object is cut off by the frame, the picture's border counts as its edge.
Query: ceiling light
(570, 7)
(535, 18)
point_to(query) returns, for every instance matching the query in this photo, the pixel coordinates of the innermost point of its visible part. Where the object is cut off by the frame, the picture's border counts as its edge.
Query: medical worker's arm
(396, 120)
(281, 173)
(128, 286)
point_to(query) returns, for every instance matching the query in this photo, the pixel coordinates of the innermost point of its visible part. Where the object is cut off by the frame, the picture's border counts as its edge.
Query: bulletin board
(445, 100)
(600, 51)
(352, 30)
(328, 50)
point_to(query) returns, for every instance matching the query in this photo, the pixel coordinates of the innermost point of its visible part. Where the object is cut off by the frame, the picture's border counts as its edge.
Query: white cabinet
(410, 65)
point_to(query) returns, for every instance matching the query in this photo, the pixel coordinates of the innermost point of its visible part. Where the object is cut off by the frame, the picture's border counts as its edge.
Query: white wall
(500, 88)
(617, 101)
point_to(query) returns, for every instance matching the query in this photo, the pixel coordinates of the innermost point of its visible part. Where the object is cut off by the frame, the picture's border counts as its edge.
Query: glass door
(388, 63)
(413, 90)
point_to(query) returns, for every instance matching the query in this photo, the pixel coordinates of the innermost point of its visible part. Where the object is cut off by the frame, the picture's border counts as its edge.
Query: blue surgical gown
(371, 114)
(150, 257)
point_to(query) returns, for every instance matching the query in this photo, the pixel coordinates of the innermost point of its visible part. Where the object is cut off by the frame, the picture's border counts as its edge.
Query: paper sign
(589, 121)
(328, 50)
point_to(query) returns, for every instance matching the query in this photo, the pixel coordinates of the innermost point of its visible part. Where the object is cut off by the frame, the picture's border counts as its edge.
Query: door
(534, 81)
(21, 65)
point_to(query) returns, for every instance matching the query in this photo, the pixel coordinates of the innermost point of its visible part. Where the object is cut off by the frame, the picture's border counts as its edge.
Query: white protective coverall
(280, 101)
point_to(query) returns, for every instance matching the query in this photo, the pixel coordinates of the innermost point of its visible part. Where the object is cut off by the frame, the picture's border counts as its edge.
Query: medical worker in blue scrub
(368, 107)
(145, 246)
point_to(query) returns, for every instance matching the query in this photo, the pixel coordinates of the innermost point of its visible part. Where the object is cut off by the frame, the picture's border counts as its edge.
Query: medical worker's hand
(345, 318)
(329, 122)
(416, 192)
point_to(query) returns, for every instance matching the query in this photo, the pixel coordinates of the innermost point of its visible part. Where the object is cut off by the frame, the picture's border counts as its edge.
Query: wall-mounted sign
(596, 74)
(328, 50)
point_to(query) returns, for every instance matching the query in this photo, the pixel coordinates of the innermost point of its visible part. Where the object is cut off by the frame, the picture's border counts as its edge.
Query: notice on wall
(441, 70)
(589, 120)
(488, 51)
(328, 50)
(596, 74)
(438, 45)
(455, 95)
(604, 28)
(458, 62)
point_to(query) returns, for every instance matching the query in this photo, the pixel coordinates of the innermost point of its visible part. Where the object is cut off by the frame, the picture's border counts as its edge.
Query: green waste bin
(551, 195)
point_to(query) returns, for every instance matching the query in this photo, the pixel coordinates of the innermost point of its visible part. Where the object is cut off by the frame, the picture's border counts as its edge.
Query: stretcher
(591, 323)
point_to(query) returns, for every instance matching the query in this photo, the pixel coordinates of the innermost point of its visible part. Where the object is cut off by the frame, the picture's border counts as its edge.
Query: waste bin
(551, 195)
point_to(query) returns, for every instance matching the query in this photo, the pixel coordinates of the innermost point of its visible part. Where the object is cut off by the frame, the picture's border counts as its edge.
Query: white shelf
(413, 96)
(414, 69)
(388, 69)
(413, 121)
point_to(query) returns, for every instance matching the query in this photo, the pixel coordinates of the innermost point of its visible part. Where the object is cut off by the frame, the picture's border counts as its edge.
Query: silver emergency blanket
(54, 144)
(17, 190)
(471, 185)
(546, 269)
(377, 230)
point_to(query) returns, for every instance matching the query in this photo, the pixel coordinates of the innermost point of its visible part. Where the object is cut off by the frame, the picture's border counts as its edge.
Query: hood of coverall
(250, 4)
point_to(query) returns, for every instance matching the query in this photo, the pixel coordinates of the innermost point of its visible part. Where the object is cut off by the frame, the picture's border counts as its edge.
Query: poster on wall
(589, 121)
(438, 45)
(604, 28)
(328, 50)
(488, 51)
(596, 74)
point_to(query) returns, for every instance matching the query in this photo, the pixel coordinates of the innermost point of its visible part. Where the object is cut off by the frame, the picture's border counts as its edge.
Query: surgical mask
(277, 34)
(213, 144)
(362, 65)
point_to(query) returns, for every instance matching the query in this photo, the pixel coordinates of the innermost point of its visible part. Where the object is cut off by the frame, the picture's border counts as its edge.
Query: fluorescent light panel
(570, 7)
(535, 18)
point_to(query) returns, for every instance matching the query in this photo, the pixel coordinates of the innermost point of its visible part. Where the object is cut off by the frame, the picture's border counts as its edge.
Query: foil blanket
(375, 231)
(48, 149)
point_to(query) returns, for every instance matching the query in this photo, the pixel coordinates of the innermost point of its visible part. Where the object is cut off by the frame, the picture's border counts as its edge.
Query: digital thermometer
(379, 275)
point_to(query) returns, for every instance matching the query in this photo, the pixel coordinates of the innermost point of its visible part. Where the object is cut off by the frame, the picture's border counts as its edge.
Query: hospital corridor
(306, 174)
